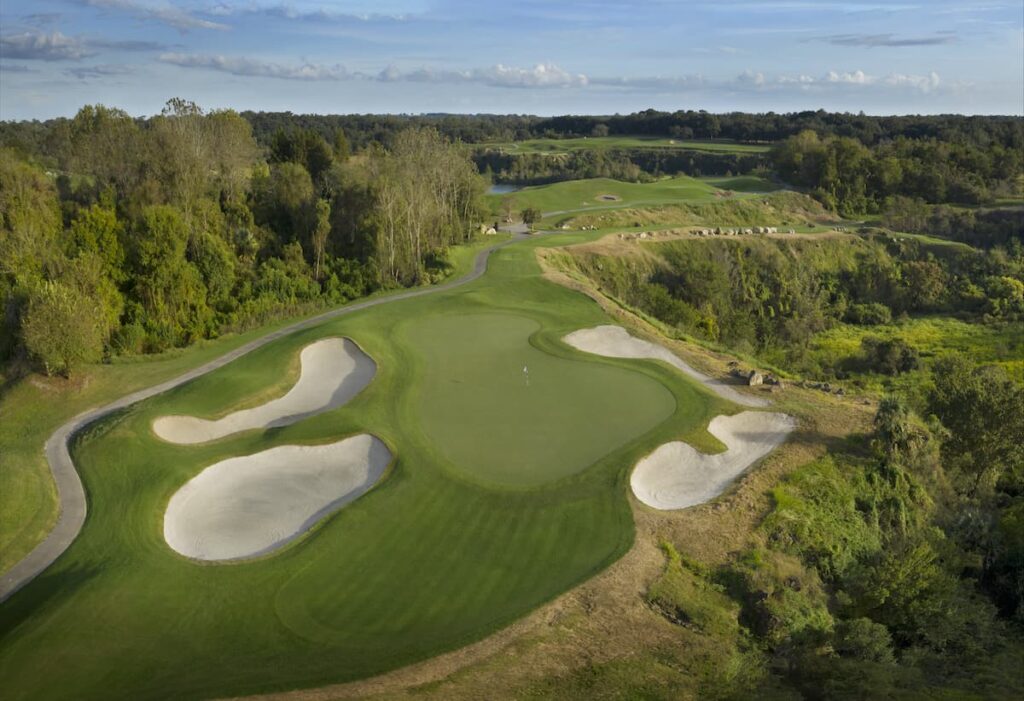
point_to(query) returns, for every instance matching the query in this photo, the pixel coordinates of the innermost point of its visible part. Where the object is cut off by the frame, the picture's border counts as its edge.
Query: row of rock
(824, 387)
(644, 235)
(719, 231)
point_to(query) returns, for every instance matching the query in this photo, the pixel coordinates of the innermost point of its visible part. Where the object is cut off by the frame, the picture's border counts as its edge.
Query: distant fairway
(584, 195)
(557, 146)
(433, 557)
(499, 424)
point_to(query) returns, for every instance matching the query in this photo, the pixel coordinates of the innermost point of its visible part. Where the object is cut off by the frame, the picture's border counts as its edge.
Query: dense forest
(126, 236)
(855, 164)
(628, 164)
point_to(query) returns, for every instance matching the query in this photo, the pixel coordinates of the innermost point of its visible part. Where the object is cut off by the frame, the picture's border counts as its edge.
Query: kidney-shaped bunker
(248, 506)
(333, 371)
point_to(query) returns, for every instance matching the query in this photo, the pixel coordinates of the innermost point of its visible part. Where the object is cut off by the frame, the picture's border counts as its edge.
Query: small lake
(502, 189)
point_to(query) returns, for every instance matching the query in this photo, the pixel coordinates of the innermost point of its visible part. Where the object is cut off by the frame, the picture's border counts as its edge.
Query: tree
(320, 232)
(889, 356)
(30, 225)
(599, 130)
(164, 283)
(108, 144)
(97, 230)
(284, 201)
(508, 206)
(983, 412)
(531, 215)
(62, 328)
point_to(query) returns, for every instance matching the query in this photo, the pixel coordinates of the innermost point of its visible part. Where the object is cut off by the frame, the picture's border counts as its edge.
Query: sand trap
(608, 198)
(676, 475)
(248, 506)
(333, 371)
(615, 342)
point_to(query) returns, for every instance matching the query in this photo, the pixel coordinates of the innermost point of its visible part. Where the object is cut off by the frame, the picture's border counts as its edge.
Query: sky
(540, 57)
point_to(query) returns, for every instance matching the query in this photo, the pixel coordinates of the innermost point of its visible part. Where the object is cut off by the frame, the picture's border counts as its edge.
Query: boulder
(755, 378)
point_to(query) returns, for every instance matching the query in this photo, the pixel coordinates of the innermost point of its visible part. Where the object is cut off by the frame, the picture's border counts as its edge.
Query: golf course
(507, 485)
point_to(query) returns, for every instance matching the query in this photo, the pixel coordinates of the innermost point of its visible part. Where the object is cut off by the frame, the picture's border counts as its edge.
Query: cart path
(70, 492)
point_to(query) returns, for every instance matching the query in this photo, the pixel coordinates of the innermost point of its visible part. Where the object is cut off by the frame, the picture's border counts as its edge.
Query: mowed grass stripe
(424, 562)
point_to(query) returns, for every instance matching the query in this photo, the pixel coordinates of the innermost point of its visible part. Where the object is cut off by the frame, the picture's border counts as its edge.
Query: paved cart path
(71, 494)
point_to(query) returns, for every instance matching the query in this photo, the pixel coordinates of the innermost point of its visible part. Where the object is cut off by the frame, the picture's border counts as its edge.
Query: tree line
(852, 178)
(763, 297)
(128, 236)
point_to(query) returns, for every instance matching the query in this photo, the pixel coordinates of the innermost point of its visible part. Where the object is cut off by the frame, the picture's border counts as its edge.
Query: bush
(863, 639)
(62, 328)
(872, 314)
(889, 357)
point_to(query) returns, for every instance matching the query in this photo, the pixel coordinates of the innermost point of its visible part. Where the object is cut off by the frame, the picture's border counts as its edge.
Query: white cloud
(858, 78)
(750, 78)
(543, 75)
(924, 83)
(161, 12)
(549, 75)
(255, 68)
(44, 47)
(855, 78)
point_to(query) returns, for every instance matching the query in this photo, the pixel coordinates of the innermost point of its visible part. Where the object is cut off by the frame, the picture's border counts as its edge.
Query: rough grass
(933, 336)
(560, 146)
(425, 562)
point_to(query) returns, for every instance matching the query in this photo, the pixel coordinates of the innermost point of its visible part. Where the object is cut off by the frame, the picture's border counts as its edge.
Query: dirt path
(70, 493)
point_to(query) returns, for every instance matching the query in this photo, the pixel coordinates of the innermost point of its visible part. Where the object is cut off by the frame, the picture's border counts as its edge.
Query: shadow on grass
(37, 593)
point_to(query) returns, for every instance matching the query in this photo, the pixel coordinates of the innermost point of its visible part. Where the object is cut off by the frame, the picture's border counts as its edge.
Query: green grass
(558, 146)
(425, 562)
(585, 195)
(499, 425)
(31, 409)
(933, 337)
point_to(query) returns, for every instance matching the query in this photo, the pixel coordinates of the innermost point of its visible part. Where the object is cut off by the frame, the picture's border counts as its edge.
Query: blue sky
(539, 57)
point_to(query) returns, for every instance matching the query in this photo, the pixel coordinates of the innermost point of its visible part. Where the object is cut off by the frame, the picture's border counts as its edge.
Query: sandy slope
(333, 371)
(615, 342)
(676, 475)
(248, 506)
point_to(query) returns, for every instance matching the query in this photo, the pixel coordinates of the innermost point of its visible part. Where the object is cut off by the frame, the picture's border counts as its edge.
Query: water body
(503, 189)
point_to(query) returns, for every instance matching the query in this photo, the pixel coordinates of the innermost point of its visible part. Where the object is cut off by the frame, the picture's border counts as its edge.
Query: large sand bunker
(248, 506)
(333, 370)
(615, 342)
(676, 475)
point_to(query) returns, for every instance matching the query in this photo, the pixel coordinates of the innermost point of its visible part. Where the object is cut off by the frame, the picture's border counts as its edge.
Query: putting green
(443, 551)
(499, 424)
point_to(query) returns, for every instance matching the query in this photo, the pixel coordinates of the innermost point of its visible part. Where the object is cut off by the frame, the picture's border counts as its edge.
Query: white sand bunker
(615, 342)
(248, 506)
(676, 475)
(333, 370)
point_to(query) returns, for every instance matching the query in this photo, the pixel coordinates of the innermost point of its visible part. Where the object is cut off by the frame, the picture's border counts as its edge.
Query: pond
(503, 189)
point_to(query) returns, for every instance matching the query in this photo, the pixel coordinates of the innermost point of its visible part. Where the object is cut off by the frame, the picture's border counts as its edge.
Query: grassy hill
(606, 194)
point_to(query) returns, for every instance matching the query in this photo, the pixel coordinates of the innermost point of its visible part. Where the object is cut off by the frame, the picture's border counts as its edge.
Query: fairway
(499, 424)
(439, 553)
(587, 195)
